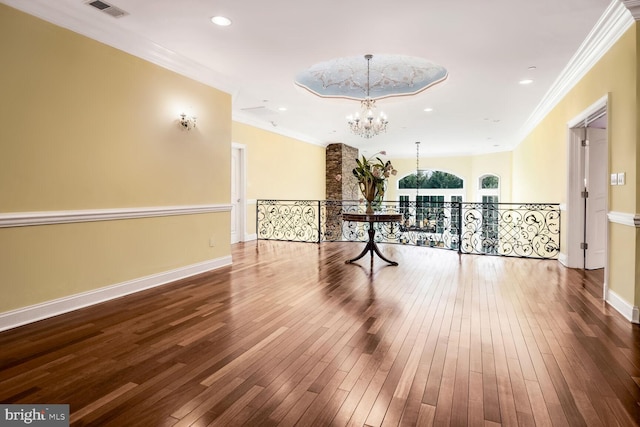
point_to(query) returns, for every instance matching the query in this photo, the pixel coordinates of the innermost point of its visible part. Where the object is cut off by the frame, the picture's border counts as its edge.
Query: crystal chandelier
(364, 123)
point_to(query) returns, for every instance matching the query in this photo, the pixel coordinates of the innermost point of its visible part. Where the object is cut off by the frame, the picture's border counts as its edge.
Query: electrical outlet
(212, 241)
(621, 178)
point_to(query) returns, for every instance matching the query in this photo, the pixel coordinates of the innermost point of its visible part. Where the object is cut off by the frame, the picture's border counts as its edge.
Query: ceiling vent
(259, 111)
(107, 8)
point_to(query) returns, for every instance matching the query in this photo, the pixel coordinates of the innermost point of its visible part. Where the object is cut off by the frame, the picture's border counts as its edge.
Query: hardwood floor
(290, 334)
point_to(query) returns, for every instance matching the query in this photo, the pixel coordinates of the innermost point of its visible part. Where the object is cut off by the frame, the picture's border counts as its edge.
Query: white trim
(563, 207)
(249, 237)
(632, 220)
(252, 201)
(578, 121)
(630, 312)
(22, 219)
(613, 23)
(33, 313)
(634, 8)
(241, 227)
(562, 258)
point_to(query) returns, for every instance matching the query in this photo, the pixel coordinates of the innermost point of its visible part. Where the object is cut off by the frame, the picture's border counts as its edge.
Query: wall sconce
(187, 123)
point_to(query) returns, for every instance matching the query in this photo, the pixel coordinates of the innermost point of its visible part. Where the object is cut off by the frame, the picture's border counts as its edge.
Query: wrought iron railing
(529, 230)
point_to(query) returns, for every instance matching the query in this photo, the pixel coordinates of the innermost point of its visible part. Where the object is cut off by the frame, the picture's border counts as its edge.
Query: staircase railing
(530, 230)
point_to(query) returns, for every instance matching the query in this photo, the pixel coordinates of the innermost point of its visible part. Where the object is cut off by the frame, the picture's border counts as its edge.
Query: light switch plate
(614, 179)
(621, 178)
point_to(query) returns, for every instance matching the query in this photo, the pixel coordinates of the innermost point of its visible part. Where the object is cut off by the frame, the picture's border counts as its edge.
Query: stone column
(340, 161)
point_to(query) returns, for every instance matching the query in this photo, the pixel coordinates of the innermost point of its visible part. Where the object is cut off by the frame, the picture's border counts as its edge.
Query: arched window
(489, 181)
(430, 179)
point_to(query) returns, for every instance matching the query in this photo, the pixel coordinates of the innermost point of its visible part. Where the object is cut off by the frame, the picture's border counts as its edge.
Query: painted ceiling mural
(389, 75)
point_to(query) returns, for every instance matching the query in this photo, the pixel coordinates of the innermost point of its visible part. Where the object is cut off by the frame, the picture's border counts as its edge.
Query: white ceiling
(487, 47)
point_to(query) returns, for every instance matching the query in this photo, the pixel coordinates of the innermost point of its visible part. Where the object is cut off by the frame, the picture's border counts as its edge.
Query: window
(430, 179)
(455, 217)
(432, 191)
(404, 206)
(489, 193)
(490, 224)
(489, 181)
(430, 213)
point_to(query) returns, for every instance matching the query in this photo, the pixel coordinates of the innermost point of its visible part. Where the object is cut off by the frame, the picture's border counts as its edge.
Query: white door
(236, 185)
(596, 206)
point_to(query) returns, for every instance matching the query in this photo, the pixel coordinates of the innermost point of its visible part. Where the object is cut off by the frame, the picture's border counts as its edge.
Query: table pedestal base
(371, 247)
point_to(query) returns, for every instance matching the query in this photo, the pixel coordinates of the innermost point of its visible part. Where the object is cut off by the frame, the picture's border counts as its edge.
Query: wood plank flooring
(291, 335)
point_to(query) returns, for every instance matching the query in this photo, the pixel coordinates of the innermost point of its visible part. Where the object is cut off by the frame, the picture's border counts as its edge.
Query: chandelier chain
(363, 123)
(417, 168)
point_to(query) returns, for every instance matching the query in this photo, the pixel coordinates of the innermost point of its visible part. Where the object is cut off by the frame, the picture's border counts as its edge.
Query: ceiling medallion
(387, 76)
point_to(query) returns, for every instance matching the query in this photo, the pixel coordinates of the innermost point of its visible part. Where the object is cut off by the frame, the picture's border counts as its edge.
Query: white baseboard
(33, 313)
(562, 258)
(249, 237)
(630, 312)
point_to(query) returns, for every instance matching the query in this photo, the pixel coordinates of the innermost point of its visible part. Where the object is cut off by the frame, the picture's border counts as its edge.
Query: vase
(369, 190)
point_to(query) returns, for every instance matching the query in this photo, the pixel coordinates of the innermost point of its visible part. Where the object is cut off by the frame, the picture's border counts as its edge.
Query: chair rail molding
(629, 219)
(24, 219)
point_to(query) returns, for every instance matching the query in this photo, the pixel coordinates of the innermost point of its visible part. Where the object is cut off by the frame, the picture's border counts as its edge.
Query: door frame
(241, 225)
(574, 209)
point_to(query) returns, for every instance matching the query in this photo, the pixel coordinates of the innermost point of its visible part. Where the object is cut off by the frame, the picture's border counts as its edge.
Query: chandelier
(364, 123)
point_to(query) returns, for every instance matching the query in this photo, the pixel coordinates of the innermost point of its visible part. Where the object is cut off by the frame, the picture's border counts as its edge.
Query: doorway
(588, 190)
(238, 189)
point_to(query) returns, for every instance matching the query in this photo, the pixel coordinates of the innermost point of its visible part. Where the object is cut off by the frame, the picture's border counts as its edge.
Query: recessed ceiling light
(282, 108)
(525, 81)
(221, 20)
(428, 110)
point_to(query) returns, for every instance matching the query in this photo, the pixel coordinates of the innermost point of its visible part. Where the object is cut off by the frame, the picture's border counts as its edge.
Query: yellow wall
(469, 168)
(85, 126)
(620, 162)
(279, 167)
(540, 161)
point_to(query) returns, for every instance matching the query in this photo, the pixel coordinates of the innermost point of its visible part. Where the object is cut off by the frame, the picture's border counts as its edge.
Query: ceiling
(486, 46)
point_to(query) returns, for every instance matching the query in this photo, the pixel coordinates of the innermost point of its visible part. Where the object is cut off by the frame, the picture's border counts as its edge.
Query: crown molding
(103, 31)
(634, 8)
(613, 23)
